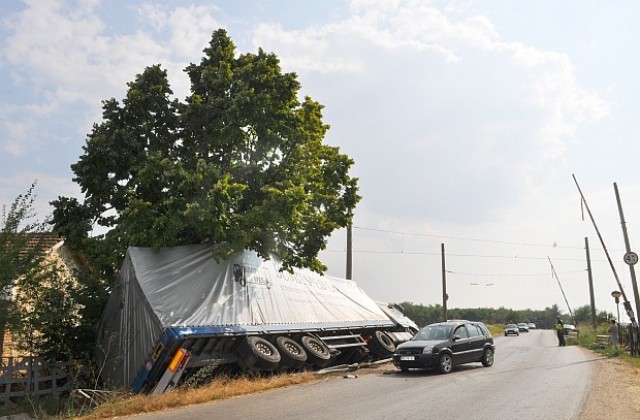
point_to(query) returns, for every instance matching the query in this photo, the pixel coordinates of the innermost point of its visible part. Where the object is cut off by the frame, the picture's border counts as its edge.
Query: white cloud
(14, 143)
(191, 29)
(315, 49)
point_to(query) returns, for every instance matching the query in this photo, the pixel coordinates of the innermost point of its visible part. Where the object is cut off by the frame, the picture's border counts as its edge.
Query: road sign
(631, 258)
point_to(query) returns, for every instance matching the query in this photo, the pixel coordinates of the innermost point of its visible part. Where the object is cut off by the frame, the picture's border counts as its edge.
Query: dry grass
(219, 389)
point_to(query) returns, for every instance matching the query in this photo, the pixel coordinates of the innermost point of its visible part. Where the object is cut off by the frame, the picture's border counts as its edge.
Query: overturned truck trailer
(176, 310)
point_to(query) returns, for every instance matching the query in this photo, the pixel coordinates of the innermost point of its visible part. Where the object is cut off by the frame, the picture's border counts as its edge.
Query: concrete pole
(349, 252)
(634, 283)
(445, 296)
(590, 276)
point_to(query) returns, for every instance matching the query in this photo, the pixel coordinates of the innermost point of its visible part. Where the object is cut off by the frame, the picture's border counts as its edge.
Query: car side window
(461, 331)
(473, 330)
(483, 329)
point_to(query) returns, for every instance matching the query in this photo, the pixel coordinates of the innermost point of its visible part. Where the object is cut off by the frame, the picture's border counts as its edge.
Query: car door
(460, 345)
(476, 342)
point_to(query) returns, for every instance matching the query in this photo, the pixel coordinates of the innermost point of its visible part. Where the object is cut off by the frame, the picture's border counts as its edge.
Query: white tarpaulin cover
(184, 287)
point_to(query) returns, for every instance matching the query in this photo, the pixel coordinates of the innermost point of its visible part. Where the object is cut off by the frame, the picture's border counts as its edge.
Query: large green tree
(240, 164)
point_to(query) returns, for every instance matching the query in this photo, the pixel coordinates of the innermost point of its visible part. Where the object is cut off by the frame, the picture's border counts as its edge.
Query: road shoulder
(615, 391)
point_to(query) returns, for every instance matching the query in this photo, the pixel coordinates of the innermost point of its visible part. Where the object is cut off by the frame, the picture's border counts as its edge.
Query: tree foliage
(240, 163)
(20, 251)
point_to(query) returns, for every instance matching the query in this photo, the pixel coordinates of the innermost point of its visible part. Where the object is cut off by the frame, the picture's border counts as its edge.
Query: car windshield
(434, 332)
(511, 325)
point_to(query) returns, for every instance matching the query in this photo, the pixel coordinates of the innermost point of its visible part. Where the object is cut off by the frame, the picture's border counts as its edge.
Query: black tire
(292, 355)
(318, 353)
(381, 345)
(487, 358)
(256, 352)
(445, 363)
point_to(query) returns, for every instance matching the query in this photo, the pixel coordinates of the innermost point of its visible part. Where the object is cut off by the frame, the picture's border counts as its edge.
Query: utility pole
(590, 276)
(445, 296)
(349, 252)
(630, 258)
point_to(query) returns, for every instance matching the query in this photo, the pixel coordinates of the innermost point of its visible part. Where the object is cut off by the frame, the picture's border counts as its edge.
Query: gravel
(615, 391)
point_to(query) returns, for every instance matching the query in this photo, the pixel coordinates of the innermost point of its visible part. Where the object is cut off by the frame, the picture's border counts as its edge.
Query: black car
(445, 345)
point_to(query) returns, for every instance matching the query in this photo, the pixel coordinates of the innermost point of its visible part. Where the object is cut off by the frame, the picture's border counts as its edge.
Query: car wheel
(487, 358)
(445, 363)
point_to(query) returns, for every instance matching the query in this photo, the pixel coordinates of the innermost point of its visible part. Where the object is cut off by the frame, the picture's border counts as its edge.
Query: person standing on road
(613, 334)
(560, 332)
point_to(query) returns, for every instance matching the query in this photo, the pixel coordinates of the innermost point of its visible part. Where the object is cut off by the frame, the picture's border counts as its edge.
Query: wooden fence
(22, 377)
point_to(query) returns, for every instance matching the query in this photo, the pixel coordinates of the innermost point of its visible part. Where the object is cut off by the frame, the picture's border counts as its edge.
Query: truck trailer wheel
(292, 354)
(259, 353)
(381, 345)
(317, 352)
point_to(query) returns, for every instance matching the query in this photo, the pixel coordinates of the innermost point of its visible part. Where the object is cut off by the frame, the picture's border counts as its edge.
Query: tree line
(545, 318)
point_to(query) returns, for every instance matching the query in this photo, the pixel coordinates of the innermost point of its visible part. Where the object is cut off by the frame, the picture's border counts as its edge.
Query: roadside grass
(588, 339)
(220, 388)
(495, 329)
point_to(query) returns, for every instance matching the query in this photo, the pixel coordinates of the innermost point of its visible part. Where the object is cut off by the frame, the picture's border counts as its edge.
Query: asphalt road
(532, 378)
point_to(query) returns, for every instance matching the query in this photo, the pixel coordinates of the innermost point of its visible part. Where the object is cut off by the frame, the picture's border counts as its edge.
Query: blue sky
(466, 120)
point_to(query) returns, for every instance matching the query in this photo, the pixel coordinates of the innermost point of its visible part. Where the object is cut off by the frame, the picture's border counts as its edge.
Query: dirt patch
(615, 391)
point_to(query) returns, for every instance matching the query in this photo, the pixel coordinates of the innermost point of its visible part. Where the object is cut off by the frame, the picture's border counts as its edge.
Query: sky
(467, 121)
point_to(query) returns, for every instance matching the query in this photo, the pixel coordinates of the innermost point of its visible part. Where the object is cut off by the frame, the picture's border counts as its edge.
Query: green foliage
(21, 237)
(47, 312)
(582, 315)
(20, 240)
(240, 164)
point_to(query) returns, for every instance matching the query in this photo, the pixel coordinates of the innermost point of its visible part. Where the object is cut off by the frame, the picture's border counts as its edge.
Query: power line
(462, 238)
(515, 257)
(502, 275)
